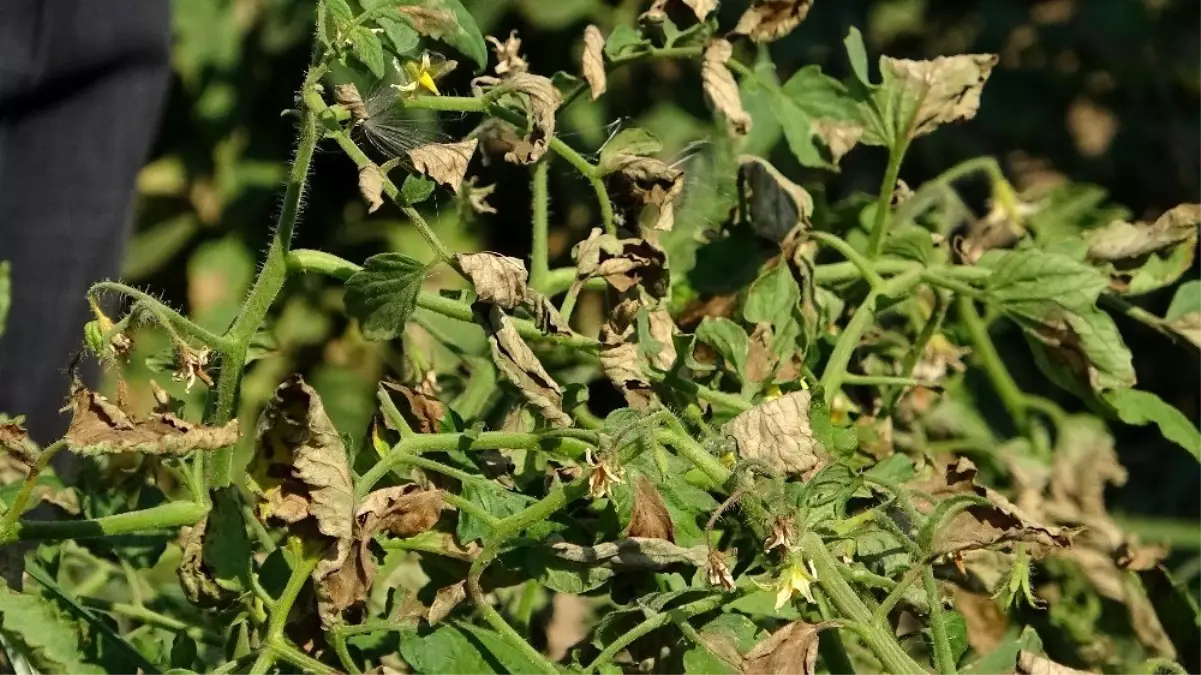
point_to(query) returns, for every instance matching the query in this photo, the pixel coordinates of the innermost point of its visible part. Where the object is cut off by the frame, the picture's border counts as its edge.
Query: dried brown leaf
(302, 477)
(403, 511)
(99, 427)
(371, 186)
(623, 263)
(543, 100)
(519, 365)
(347, 95)
(625, 360)
(477, 197)
(445, 601)
(1121, 240)
(777, 433)
(720, 88)
(593, 61)
(445, 163)
(637, 182)
(508, 55)
(838, 137)
(1029, 663)
(940, 91)
(197, 582)
(632, 554)
(498, 279)
(14, 440)
(791, 650)
(649, 517)
(768, 20)
(421, 408)
(778, 206)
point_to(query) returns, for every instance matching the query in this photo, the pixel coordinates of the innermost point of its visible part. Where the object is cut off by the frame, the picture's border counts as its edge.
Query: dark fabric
(82, 85)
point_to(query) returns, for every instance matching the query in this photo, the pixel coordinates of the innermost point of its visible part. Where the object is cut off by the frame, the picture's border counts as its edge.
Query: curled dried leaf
(777, 205)
(717, 571)
(519, 365)
(1121, 240)
(14, 440)
(446, 163)
(593, 61)
(508, 55)
(99, 427)
(838, 137)
(628, 352)
(940, 91)
(778, 433)
(445, 601)
(543, 99)
(1029, 663)
(767, 20)
(498, 279)
(791, 650)
(477, 197)
(623, 263)
(347, 95)
(649, 517)
(403, 511)
(720, 87)
(371, 186)
(421, 408)
(637, 182)
(301, 476)
(197, 581)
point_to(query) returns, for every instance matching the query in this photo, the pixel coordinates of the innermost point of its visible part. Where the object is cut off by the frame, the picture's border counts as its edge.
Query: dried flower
(605, 473)
(190, 366)
(719, 572)
(780, 536)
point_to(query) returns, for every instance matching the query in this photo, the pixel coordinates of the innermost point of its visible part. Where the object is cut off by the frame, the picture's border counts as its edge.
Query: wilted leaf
(1029, 663)
(99, 428)
(624, 263)
(543, 100)
(35, 629)
(634, 339)
(422, 411)
(383, 294)
(403, 511)
(1000, 523)
(508, 55)
(445, 601)
(767, 20)
(519, 365)
(477, 197)
(347, 95)
(649, 517)
(371, 186)
(497, 279)
(301, 476)
(216, 554)
(929, 94)
(197, 582)
(14, 440)
(1184, 314)
(447, 21)
(778, 433)
(720, 87)
(446, 163)
(633, 554)
(778, 206)
(728, 338)
(791, 650)
(1122, 240)
(838, 137)
(593, 61)
(807, 98)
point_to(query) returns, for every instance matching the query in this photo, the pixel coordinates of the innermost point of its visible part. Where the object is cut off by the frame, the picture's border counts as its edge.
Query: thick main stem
(539, 253)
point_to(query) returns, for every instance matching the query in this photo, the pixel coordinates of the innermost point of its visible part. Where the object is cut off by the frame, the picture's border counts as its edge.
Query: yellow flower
(418, 74)
(796, 580)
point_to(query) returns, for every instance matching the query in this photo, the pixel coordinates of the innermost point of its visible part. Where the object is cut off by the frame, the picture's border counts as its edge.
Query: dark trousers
(82, 85)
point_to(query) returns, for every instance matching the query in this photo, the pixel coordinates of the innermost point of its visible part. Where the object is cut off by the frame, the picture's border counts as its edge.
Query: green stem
(31, 480)
(606, 206)
(929, 329)
(985, 353)
(836, 367)
(691, 388)
(525, 606)
(879, 231)
(162, 517)
(865, 267)
(151, 617)
(331, 265)
(880, 616)
(880, 380)
(539, 254)
(169, 318)
(929, 192)
(291, 654)
(694, 452)
(944, 659)
(304, 562)
(848, 604)
(653, 623)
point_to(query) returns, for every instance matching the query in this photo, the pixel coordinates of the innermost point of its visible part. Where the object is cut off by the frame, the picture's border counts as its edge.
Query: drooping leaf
(543, 100)
(383, 294)
(1184, 314)
(624, 263)
(649, 517)
(371, 186)
(1143, 407)
(777, 205)
(509, 60)
(788, 651)
(445, 163)
(447, 598)
(521, 367)
(98, 427)
(772, 298)
(728, 338)
(917, 97)
(720, 88)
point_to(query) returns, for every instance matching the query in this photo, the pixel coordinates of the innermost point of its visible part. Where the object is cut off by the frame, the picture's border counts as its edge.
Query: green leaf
(5, 293)
(384, 293)
(1137, 407)
(340, 12)
(1158, 270)
(564, 576)
(49, 640)
(895, 469)
(624, 40)
(806, 97)
(910, 241)
(756, 94)
(837, 440)
(881, 552)
(1003, 659)
(1083, 352)
(772, 297)
(497, 502)
(1028, 281)
(632, 141)
(728, 338)
(416, 189)
(857, 55)
(227, 551)
(503, 651)
(368, 49)
(449, 21)
(401, 34)
(446, 651)
(1186, 301)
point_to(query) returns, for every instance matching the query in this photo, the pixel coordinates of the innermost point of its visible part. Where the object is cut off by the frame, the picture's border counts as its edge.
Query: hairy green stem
(169, 318)
(836, 367)
(865, 267)
(304, 561)
(150, 617)
(162, 517)
(652, 623)
(944, 659)
(879, 380)
(883, 214)
(539, 254)
(985, 353)
(31, 480)
(917, 350)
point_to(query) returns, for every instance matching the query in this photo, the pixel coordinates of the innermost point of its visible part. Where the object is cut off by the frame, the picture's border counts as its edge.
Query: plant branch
(540, 210)
(985, 353)
(944, 659)
(162, 517)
